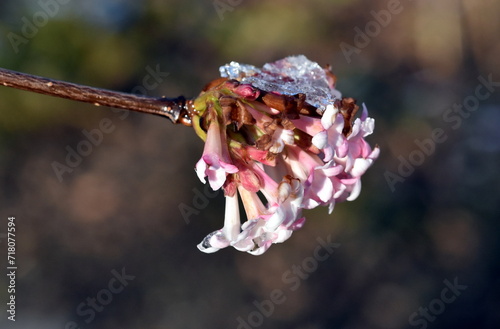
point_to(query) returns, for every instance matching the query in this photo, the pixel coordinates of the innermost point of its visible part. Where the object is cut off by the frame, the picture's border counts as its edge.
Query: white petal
(283, 235)
(320, 140)
(368, 126)
(288, 137)
(323, 188)
(201, 167)
(360, 166)
(356, 126)
(208, 250)
(329, 116)
(275, 220)
(232, 218)
(330, 207)
(355, 191)
(207, 244)
(244, 245)
(277, 146)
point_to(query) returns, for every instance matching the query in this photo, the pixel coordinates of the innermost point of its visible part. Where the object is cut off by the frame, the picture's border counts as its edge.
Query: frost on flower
(280, 139)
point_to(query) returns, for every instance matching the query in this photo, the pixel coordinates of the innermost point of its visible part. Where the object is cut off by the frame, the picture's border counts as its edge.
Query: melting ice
(290, 76)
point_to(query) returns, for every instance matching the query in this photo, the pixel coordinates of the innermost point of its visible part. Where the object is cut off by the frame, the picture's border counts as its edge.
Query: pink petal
(355, 191)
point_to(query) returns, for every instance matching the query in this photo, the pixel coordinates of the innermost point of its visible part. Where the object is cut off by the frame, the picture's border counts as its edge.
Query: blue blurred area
(427, 216)
(112, 15)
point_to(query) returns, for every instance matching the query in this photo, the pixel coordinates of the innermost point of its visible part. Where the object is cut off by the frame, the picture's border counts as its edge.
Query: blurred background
(426, 220)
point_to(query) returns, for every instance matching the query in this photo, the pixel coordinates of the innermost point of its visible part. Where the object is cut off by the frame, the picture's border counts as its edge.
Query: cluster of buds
(280, 155)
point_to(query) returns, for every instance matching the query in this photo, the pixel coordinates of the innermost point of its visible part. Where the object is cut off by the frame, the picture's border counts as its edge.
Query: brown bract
(330, 77)
(235, 112)
(280, 108)
(347, 106)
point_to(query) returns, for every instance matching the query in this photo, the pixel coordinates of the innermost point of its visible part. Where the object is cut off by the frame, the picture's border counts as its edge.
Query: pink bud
(247, 91)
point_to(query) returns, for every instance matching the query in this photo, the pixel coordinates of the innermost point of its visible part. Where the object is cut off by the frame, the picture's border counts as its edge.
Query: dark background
(119, 207)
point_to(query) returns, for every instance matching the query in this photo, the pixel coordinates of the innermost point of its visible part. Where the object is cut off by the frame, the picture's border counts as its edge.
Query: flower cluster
(279, 155)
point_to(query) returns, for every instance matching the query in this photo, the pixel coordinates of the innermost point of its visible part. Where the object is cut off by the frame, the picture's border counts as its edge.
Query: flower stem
(178, 110)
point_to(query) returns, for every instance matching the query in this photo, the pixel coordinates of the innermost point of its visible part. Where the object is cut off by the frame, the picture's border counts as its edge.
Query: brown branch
(175, 109)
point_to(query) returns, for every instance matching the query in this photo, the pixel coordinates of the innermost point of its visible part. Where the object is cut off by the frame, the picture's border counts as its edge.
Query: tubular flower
(281, 139)
(215, 161)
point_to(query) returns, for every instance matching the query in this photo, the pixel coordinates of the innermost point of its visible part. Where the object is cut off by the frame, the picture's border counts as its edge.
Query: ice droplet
(289, 76)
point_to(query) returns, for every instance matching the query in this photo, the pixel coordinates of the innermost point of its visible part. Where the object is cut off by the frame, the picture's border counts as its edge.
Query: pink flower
(359, 156)
(331, 140)
(278, 153)
(321, 182)
(215, 161)
(266, 225)
(280, 138)
(228, 234)
(247, 91)
(324, 187)
(282, 218)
